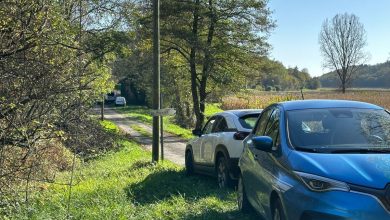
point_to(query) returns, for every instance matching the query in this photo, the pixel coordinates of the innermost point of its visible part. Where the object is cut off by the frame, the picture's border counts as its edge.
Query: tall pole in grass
(156, 78)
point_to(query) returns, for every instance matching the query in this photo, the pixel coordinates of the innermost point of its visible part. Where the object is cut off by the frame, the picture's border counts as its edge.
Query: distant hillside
(368, 76)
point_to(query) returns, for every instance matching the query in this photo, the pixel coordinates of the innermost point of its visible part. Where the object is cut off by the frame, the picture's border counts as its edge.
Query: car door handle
(256, 156)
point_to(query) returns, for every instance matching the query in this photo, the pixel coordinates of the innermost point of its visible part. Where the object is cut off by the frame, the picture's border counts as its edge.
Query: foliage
(205, 45)
(52, 69)
(272, 75)
(342, 41)
(126, 185)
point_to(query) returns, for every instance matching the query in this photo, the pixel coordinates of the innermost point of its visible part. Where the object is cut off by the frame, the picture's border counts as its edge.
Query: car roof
(326, 103)
(241, 112)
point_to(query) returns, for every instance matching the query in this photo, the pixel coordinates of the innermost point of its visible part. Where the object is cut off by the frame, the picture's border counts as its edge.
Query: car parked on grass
(120, 101)
(317, 159)
(218, 145)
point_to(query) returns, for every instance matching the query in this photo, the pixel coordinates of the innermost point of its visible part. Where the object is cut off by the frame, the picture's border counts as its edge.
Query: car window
(221, 126)
(248, 121)
(209, 125)
(272, 129)
(274, 118)
(259, 130)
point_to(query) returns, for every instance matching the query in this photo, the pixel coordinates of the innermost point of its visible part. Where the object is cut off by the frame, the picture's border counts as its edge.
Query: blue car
(317, 159)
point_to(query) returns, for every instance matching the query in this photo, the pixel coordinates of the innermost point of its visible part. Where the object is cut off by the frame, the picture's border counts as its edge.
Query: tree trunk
(194, 78)
(344, 80)
(207, 67)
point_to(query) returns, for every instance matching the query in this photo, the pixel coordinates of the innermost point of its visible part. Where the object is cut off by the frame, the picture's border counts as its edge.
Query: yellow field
(260, 99)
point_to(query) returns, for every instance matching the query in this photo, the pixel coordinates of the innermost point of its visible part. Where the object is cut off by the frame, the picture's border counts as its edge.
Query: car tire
(223, 176)
(242, 200)
(277, 212)
(189, 163)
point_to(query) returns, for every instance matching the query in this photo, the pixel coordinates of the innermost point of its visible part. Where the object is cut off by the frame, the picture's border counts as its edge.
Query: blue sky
(295, 39)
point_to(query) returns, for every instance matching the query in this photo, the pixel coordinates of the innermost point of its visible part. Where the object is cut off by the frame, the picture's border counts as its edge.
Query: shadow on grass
(163, 184)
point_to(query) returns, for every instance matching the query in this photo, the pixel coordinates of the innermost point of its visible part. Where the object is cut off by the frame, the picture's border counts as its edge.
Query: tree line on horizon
(366, 76)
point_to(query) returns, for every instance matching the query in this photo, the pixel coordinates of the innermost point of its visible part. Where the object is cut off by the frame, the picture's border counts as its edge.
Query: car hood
(370, 170)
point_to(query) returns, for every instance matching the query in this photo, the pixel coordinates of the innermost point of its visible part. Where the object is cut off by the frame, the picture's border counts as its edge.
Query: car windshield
(248, 121)
(338, 128)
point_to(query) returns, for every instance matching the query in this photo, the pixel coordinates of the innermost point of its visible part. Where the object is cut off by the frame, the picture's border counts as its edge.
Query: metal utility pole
(156, 78)
(162, 130)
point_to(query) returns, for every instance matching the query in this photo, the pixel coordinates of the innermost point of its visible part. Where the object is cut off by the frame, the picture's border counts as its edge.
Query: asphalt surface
(174, 146)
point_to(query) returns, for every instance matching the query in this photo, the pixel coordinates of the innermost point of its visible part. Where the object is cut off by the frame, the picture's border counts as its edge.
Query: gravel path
(174, 146)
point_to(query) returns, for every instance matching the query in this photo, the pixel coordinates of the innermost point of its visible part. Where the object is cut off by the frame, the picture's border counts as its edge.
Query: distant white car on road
(219, 145)
(119, 100)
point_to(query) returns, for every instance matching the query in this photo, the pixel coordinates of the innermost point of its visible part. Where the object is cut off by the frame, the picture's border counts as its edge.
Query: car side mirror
(263, 143)
(197, 132)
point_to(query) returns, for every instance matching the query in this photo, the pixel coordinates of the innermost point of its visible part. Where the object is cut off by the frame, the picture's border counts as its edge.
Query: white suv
(120, 101)
(219, 145)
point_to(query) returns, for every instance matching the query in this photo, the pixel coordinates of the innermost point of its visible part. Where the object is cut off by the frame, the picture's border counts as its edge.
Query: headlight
(321, 184)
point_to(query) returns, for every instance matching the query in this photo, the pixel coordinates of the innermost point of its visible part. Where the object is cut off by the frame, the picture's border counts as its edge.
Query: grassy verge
(142, 114)
(126, 185)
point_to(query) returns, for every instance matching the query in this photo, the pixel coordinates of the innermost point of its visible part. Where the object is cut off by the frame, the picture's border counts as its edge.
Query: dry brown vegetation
(259, 99)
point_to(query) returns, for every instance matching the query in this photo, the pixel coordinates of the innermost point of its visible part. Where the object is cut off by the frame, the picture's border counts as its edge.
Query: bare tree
(342, 40)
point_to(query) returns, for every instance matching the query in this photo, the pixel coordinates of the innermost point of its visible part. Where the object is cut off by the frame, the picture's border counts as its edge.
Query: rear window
(248, 121)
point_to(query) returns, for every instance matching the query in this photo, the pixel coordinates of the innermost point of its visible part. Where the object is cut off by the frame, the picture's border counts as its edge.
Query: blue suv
(317, 159)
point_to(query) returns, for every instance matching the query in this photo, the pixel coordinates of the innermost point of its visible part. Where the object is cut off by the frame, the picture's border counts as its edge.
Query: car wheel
(223, 176)
(242, 200)
(189, 163)
(277, 212)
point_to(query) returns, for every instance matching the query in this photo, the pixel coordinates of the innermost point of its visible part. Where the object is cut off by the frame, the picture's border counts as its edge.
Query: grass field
(126, 185)
(259, 99)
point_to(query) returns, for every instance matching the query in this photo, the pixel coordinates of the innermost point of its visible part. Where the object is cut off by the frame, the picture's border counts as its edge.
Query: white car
(120, 101)
(219, 145)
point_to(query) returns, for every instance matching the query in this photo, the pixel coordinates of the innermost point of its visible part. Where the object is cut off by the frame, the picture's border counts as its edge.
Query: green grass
(213, 108)
(109, 126)
(142, 114)
(141, 130)
(126, 185)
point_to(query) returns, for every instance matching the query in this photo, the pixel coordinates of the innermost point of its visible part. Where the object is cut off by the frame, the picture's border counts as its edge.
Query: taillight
(240, 135)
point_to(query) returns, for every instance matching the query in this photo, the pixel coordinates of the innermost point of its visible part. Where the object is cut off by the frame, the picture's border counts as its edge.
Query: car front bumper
(301, 203)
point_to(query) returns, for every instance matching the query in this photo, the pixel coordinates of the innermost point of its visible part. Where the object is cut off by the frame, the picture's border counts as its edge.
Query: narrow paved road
(174, 146)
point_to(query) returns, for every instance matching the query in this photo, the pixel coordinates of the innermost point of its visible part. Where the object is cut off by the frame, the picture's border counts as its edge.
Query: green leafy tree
(214, 38)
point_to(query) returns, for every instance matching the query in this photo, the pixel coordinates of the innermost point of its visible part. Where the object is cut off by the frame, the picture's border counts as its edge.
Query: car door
(267, 163)
(252, 175)
(217, 137)
(207, 139)
(197, 143)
